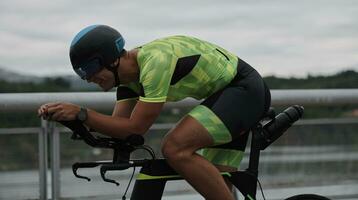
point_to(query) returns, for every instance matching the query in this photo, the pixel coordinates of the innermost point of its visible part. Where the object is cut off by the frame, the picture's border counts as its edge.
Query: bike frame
(155, 173)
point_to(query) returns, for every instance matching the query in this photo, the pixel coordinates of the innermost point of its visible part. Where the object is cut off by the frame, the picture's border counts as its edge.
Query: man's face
(104, 79)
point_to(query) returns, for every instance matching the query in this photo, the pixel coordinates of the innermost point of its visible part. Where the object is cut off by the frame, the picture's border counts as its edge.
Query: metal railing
(29, 102)
(25, 102)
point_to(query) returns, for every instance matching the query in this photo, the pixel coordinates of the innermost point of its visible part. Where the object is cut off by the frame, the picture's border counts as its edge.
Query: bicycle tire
(307, 197)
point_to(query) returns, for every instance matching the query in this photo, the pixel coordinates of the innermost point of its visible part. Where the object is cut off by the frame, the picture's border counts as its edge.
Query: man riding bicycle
(171, 69)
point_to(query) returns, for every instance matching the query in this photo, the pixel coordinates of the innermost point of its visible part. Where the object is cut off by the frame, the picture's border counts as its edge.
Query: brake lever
(81, 177)
(76, 166)
(103, 175)
(112, 167)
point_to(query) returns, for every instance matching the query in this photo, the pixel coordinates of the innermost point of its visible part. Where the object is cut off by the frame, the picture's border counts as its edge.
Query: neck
(128, 69)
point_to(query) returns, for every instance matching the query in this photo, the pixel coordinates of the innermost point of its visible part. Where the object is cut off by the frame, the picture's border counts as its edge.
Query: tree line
(19, 152)
(344, 79)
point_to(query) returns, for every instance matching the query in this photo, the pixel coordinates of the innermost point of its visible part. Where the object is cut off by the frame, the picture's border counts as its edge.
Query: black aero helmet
(95, 47)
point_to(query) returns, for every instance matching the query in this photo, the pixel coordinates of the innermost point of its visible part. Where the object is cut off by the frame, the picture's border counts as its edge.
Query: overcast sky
(283, 37)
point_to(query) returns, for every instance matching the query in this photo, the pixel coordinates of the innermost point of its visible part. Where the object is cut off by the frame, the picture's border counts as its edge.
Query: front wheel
(307, 197)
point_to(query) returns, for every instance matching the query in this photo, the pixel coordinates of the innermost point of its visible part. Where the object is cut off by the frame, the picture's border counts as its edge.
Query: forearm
(118, 127)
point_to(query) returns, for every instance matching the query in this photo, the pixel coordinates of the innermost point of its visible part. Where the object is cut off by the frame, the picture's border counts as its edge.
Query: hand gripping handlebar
(121, 148)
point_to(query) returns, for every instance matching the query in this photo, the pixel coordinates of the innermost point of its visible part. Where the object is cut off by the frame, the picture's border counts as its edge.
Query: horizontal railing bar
(29, 102)
(166, 126)
(29, 130)
(326, 121)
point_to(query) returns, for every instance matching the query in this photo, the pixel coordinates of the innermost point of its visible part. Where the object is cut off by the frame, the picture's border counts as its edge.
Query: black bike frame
(154, 173)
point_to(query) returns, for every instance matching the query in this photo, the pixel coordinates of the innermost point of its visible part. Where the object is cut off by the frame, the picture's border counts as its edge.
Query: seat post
(255, 150)
(252, 170)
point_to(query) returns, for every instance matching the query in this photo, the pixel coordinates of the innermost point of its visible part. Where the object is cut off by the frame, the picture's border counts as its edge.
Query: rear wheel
(307, 197)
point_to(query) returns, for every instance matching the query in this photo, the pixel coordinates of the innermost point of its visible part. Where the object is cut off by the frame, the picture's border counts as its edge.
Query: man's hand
(59, 111)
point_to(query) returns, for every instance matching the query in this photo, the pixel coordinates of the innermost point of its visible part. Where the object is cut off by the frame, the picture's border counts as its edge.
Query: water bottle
(277, 126)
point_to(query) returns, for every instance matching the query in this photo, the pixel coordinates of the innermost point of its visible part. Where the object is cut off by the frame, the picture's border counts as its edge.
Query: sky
(277, 37)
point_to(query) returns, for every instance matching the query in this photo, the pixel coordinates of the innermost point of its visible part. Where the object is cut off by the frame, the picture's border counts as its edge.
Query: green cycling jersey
(177, 67)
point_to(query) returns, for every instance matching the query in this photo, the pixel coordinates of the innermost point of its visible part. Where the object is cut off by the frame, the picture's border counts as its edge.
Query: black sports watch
(82, 115)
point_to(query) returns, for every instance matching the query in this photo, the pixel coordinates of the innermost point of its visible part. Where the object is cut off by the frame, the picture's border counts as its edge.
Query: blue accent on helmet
(82, 33)
(120, 44)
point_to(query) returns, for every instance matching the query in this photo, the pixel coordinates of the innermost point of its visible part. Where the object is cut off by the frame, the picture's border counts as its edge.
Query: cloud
(279, 37)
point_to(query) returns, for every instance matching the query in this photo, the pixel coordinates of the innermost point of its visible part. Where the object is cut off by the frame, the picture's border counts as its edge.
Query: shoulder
(165, 44)
(157, 52)
(154, 48)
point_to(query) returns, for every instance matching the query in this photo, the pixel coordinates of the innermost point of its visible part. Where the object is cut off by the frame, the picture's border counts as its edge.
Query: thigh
(240, 105)
(229, 114)
(189, 135)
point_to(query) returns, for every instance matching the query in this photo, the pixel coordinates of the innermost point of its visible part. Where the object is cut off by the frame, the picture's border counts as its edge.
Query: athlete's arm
(124, 108)
(128, 117)
(142, 117)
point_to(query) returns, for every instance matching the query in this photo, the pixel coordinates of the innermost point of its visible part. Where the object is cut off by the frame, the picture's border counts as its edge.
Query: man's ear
(115, 63)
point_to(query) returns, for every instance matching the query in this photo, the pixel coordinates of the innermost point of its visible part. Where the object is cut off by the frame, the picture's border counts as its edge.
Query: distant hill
(344, 79)
(14, 77)
(10, 76)
(79, 84)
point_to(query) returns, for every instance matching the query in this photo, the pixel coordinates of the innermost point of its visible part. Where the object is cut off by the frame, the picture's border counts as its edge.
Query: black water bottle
(277, 126)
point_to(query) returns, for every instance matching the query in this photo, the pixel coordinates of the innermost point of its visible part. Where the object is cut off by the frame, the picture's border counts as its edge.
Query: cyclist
(171, 69)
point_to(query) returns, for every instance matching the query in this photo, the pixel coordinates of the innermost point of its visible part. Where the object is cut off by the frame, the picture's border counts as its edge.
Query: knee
(173, 151)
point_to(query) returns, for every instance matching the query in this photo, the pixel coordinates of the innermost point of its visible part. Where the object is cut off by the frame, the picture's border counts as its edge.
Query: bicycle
(156, 172)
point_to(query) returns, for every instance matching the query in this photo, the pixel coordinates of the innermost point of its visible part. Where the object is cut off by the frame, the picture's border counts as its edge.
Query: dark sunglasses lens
(89, 69)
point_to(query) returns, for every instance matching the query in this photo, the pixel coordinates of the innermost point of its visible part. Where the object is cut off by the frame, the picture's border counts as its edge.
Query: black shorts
(229, 113)
(239, 106)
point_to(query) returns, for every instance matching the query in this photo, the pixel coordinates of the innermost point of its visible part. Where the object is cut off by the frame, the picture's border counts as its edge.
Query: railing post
(43, 159)
(55, 161)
